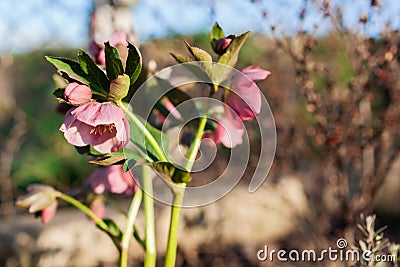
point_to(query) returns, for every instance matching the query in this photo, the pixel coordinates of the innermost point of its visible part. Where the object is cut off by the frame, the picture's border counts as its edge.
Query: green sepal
(216, 33)
(231, 55)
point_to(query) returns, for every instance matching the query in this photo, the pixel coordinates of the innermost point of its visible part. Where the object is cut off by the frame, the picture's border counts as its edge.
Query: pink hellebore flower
(245, 98)
(77, 94)
(48, 213)
(97, 50)
(102, 125)
(227, 132)
(98, 207)
(112, 179)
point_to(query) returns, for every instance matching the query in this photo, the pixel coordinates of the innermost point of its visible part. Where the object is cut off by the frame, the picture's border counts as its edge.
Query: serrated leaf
(231, 55)
(97, 79)
(69, 67)
(180, 58)
(113, 62)
(216, 33)
(133, 63)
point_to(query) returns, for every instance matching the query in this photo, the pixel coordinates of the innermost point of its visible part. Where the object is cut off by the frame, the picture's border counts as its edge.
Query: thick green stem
(84, 209)
(149, 137)
(148, 205)
(179, 192)
(127, 235)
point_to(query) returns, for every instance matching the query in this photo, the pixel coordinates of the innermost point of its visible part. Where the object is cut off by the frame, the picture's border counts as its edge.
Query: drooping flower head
(102, 125)
(245, 98)
(41, 200)
(112, 179)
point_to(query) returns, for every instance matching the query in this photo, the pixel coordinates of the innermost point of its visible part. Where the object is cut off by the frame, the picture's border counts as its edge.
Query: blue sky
(36, 24)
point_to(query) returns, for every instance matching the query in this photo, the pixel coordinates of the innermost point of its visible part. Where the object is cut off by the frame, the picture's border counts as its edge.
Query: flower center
(102, 128)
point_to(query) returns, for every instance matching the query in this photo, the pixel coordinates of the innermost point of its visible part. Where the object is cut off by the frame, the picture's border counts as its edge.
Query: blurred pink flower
(77, 94)
(41, 200)
(97, 50)
(112, 179)
(228, 132)
(245, 98)
(102, 125)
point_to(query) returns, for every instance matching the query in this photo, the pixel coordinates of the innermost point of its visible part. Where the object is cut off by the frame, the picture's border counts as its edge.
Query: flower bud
(119, 88)
(222, 45)
(41, 200)
(77, 94)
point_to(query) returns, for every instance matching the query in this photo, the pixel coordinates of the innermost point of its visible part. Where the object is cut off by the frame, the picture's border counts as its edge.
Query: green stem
(84, 209)
(179, 192)
(127, 235)
(148, 205)
(149, 137)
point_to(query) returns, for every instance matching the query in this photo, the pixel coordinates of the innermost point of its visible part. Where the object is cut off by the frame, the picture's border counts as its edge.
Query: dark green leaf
(216, 34)
(114, 232)
(133, 63)
(113, 62)
(70, 67)
(98, 80)
(59, 92)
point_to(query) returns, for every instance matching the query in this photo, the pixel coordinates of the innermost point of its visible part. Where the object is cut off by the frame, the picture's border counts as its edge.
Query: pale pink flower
(98, 50)
(98, 207)
(112, 179)
(102, 125)
(228, 133)
(41, 200)
(77, 94)
(245, 98)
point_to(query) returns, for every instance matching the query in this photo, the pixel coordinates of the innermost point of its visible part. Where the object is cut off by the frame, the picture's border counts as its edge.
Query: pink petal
(48, 213)
(108, 179)
(94, 113)
(231, 135)
(108, 146)
(245, 101)
(78, 133)
(123, 130)
(119, 37)
(77, 93)
(255, 73)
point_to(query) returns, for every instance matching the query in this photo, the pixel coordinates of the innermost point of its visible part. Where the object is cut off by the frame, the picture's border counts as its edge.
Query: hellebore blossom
(41, 200)
(77, 94)
(245, 98)
(119, 38)
(102, 125)
(112, 179)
